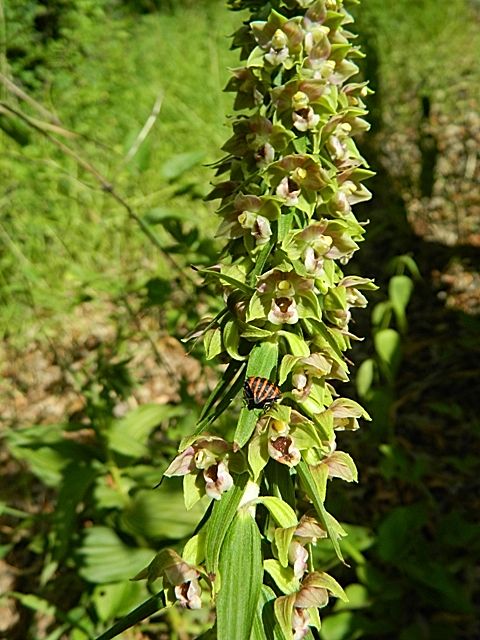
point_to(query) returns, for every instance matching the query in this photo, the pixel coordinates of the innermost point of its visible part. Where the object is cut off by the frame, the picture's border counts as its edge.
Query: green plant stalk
(287, 184)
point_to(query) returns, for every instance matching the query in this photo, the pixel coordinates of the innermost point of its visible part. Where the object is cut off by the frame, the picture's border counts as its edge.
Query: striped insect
(260, 393)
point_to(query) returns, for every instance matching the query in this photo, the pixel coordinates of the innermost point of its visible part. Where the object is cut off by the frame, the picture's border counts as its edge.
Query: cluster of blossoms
(294, 174)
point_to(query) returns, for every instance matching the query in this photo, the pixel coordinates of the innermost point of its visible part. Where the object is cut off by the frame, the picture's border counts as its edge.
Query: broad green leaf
(286, 366)
(388, 347)
(241, 574)
(316, 493)
(117, 599)
(222, 515)
(161, 514)
(180, 163)
(226, 278)
(306, 436)
(213, 343)
(255, 333)
(47, 451)
(192, 489)
(283, 577)
(256, 308)
(399, 291)
(129, 435)
(247, 422)
(103, 557)
(260, 261)
(258, 456)
(284, 613)
(281, 512)
(231, 340)
(194, 550)
(263, 360)
(283, 539)
(339, 626)
(364, 378)
(297, 345)
(358, 598)
(382, 314)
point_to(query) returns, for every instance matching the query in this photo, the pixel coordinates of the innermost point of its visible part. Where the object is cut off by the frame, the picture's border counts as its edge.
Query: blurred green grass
(62, 239)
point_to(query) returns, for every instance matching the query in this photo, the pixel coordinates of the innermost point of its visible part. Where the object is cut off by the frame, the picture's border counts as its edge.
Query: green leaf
(260, 261)
(241, 574)
(283, 577)
(263, 360)
(284, 225)
(226, 278)
(103, 557)
(222, 515)
(258, 456)
(255, 333)
(288, 363)
(213, 343)
(213, 415)
(194, 549)
(246, 425)
(364, 378)
(316, 493)
(382, 314)
(281, 512)
(179, 164)
(192, 489)
(398, 532)
(388, 347)
(129, 436)
(284, 613)
(47, 451)
(161, 514)
(283, 539)
(399, 291)
(117, 599)
(358, 598)
(339, 626)
(298, 346)
(231, 340)
(256, 309)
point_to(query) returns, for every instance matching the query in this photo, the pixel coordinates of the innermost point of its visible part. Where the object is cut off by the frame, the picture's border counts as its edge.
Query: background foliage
(95, 397)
